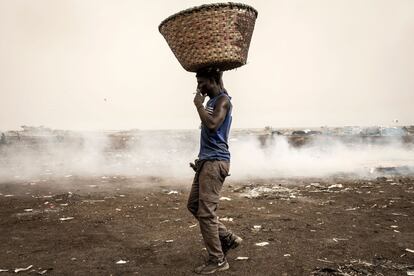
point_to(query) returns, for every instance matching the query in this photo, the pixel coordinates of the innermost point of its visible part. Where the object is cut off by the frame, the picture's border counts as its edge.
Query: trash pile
(268, 191)
(361, 267)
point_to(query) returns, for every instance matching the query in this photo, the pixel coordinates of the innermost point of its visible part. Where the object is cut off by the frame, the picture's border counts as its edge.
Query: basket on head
(214, 35)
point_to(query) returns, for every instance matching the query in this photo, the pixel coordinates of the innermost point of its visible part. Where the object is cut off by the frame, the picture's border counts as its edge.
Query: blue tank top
(214, 144)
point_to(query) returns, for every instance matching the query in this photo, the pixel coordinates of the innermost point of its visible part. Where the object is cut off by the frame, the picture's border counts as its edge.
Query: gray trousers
(203, 202)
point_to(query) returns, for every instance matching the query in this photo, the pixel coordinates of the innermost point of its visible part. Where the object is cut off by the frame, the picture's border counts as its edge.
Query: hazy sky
(311, 63)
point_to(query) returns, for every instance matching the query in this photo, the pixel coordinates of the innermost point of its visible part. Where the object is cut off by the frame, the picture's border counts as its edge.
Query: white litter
(399, 214)
(67, 218)
(315, 184)
(194, 225)
(336, 186)
(8, 195)
(3, 270)
(17, 270)
(325, 261)
(257, 227)
(172, 193)
(121, 262)
(394, 226)
(410, 273)
(339, 239)
(225, 198)
(241, 258)
(28, 210)
(262, 243)
(169, 241)
(409, 250)
(286, 255)
(226, 219)
(121, 195)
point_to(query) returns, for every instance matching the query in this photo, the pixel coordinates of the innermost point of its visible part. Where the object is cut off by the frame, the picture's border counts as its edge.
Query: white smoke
(166, 154)
(324, 156)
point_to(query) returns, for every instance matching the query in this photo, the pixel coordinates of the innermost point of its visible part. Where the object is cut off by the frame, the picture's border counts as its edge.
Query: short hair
(210, 73)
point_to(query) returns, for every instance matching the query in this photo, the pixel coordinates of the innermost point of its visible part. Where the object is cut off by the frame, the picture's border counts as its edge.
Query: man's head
(209, 81)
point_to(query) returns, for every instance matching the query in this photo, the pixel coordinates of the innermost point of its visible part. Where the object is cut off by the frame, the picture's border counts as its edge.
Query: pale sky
(311, 63)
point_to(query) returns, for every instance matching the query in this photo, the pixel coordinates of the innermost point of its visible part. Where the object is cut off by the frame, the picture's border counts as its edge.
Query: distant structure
(3, 139)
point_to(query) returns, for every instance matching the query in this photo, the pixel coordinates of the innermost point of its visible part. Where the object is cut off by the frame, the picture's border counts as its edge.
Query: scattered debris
(194, 225)
(8, 195)
(352, 209)
(399, 214)
(270, 191)
(262, 243)
(365, 263)
(410, 272)
(28, 210)
(17, 270)
(42, 272)
(226, 219)
(66, 218)
(3, 270)
(286, 255)
(172, 193)
(169, 241)
(241, 258)
(339, 239)
(92, 201)
(121, 262)
(409, 250)
(335, 186)
(225, 198)
(257, 227)
(325, 261)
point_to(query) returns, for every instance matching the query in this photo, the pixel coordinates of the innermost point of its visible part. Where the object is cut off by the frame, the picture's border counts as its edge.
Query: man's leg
(209, 229)
(192, 203)
(211, 180)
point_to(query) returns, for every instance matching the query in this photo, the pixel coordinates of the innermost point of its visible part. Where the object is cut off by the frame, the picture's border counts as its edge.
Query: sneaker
(211, 267)
(230, 242)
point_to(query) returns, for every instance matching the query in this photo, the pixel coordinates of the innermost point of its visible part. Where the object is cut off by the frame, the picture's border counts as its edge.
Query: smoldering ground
(115, 203)
(166, 154)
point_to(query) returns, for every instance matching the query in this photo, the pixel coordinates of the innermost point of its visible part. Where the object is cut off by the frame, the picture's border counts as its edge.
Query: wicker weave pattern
(210, 35)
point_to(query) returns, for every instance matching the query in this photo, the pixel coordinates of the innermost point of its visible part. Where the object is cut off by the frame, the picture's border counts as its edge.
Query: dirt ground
(330, 226)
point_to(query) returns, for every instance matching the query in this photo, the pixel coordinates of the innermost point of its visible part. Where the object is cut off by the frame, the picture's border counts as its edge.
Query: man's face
(204, 85)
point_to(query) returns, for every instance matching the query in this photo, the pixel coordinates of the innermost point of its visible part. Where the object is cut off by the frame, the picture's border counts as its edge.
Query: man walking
(212, 168)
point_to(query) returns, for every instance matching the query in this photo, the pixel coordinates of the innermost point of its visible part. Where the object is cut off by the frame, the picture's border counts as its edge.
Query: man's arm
(213, 121)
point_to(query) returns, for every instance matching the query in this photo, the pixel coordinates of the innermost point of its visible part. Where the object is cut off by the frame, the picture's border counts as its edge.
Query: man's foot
(230, 242)
(211, 267)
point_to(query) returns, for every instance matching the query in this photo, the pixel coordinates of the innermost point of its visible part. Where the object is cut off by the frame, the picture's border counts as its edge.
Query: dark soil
(362, 227)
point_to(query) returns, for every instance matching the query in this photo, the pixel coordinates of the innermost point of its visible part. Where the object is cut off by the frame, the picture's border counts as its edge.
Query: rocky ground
(140, 226)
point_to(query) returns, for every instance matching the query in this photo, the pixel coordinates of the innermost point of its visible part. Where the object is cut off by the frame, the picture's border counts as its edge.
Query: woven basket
(214, 35)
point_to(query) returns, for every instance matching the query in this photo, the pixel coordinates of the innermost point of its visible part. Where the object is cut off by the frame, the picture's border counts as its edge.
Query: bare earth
(355, 227)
